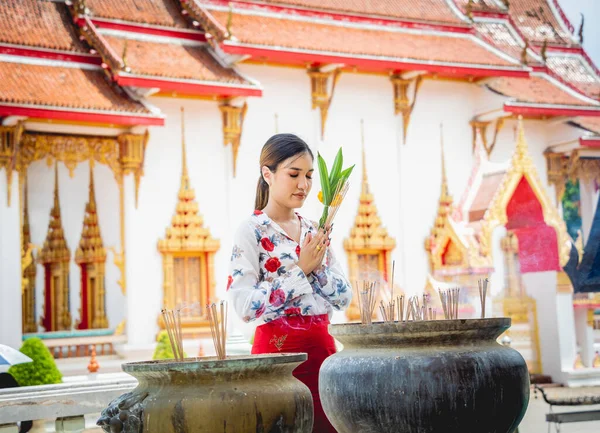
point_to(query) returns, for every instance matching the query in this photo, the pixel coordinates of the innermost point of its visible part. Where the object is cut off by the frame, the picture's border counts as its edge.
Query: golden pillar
(91, 257)
(55, 258)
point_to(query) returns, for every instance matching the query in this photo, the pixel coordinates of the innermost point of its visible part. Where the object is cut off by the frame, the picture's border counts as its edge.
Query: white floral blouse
(265, 282)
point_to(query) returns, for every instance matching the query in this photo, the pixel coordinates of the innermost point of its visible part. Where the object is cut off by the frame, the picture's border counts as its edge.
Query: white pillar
(142, 313)
(556, 323)
(585, 336)
(10, 264)
(589, 199)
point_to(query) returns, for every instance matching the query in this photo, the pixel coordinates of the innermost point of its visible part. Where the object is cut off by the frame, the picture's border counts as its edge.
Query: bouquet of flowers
(334, 186)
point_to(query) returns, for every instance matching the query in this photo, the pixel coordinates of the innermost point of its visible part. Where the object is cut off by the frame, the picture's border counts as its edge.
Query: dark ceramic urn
(424, 377)
(242, 394)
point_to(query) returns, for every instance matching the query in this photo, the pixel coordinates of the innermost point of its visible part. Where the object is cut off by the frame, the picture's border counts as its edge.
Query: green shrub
(163, 348)
(42, 371)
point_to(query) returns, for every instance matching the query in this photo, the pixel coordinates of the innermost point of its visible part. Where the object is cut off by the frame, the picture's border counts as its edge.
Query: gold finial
(580, 32)
(521, 142)
(444, 178)
(524, 53)
(124, 55)
(365, 182)
(229, 20)
(185, 179)
(56, 201)
(543, 50)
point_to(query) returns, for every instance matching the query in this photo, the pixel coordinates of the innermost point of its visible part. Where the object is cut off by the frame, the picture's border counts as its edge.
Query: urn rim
(424, 329)
(212, 363)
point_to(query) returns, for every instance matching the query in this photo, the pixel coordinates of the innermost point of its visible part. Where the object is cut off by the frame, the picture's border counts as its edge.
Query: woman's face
(292, 181)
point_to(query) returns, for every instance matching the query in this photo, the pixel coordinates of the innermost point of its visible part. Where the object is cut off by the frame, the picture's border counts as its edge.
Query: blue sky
(591, 29)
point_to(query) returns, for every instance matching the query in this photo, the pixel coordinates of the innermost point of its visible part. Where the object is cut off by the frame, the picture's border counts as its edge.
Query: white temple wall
(225, 201)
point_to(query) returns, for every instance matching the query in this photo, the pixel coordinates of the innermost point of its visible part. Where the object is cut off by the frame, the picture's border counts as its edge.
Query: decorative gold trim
(70, 149)
(55, 255)
(563, 283)
(233, 124)
(28, 267)
(185, 240)
(444, 241)
(321, 96)
(402, 103)
(10, 138)
(522, 167)
(92, 255)
(562, 167)
(480, 129)
(367, 236)
(132, 154)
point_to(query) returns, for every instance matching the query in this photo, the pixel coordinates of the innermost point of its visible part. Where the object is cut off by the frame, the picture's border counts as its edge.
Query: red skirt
(301, 334)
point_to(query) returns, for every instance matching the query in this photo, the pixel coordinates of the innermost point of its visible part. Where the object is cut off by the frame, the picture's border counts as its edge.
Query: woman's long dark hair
(277, 149)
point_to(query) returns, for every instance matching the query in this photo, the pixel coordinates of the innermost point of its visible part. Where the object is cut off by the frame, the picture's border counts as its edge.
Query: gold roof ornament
(91, 248)
(367, 232)
(452, 243)
(522, 167)
(55, 249)
(187, 231)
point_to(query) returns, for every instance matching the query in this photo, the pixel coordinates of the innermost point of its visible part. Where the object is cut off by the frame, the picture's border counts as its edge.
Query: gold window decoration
(28, 268)
(55, 257)
(369, 247)
(188, 251)
(91, 257)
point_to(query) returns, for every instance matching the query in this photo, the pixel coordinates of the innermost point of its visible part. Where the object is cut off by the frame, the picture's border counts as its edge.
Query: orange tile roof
(538, 23)
(499, 34)
(536, 90)
(173, 61)
(156, 12)
(422, 10)
(294, 34)
(39, 24)
(574, 71)
(480, 6)
(591, 123)
(49, 86)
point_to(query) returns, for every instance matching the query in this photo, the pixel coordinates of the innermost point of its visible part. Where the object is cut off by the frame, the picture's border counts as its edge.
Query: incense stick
(483, 286)
(173, 328)
(366, 300)
(218, 327)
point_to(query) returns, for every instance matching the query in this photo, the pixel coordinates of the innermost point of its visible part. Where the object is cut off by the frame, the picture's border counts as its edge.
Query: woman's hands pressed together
(313, 250)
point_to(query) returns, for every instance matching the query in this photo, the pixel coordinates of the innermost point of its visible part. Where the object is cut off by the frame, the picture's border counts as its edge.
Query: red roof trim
(17, 50)
(187, 87)
(589, 141)
(484, 14)
(549, 110)
(80, 116)
(369, 64)
(148, 30)
(340, 16)
(563, 16)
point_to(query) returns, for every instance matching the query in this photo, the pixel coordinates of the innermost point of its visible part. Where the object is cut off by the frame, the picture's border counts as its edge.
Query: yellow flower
(320, 196)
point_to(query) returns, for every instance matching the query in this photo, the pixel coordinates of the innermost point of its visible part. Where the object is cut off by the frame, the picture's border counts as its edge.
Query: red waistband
(298, 321)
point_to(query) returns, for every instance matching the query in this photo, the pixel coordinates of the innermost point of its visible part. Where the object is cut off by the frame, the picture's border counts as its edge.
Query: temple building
(111, 210)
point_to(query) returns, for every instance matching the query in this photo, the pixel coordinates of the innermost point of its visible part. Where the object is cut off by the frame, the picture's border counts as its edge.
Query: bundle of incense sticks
(218, 327)
(400, 305)
(483, 286)
(449, 300)
(366, 301)
(172, 319)
(388, 311)
(336, 202)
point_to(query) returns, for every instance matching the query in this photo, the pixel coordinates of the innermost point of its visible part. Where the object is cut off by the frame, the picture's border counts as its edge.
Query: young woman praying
(283, 274)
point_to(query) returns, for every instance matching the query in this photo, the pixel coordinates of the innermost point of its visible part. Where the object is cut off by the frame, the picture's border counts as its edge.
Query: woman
(283, 275)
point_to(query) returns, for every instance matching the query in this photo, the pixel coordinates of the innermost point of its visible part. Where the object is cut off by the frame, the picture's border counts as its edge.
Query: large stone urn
(242, 394)
(424, 377)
